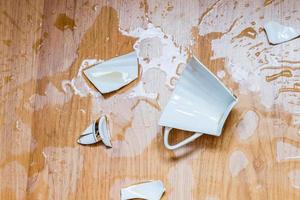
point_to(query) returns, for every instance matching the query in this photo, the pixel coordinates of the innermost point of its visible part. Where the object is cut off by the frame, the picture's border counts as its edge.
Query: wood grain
(43, 44)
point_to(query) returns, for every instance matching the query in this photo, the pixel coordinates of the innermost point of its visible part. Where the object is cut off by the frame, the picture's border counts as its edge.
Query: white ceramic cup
(200, 103)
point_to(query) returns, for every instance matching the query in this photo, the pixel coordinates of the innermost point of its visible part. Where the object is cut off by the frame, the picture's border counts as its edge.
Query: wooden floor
(46, 102)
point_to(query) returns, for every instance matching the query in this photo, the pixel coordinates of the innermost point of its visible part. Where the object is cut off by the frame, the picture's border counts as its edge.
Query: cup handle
(179, 144)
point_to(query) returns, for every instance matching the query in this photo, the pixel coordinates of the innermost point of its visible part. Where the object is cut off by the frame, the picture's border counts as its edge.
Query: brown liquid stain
(267, 2)
(296, 88)
(259, 52)
(208, 10)
(247, 32)
(204, 42)
(170, 7)
(152, 103)
(257, 45)
(37, 45)
(63, 22)
(7, 42)
(39, 42)
(144, 4)
(120, 126)
(280, 68)
(283, 73)
(92, 45)
(7, 79)
(12, 21)
(289, 61)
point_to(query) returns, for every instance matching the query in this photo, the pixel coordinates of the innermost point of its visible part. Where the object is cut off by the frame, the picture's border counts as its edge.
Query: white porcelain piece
(95, 132)
(199, 103)
(113, 74)
(152, 190)
(278, 33)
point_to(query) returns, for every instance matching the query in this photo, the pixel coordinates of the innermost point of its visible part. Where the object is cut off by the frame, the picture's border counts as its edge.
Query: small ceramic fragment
(152, 190)
(278, 33)
(96, 132)
(113, 74)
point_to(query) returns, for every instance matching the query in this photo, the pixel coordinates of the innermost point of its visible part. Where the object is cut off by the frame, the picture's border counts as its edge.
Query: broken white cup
(278, 33)
(199, 103)
(113, 74)
(152, 190)
(95, 132)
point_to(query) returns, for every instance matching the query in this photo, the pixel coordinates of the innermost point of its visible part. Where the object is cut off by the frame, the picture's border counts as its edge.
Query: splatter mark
(247, 32)
(154, 44)
(52, 97)
(247, 125)
(139, 91)
(206, 13)
(181, 176)
(39, 42)
(78, 83)
(283, 73)
(294, 177)
(37, 45)
(237, 162)
(287, 151)
(267, 2)
(295, 88)
(63, 22)
(169, 7)
(290, 61)
(7, 42)
(8, 78)
(221, 74)
(13, 176)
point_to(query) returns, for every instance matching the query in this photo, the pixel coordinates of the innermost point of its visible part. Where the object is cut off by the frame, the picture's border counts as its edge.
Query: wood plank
(46, 102)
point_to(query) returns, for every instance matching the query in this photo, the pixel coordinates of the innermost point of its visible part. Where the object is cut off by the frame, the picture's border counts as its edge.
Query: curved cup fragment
(278, 33)
(152, 190)
(113, 74)
(95, 132)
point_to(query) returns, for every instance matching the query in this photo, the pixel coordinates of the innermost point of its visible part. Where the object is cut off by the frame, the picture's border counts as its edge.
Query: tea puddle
(63, 22)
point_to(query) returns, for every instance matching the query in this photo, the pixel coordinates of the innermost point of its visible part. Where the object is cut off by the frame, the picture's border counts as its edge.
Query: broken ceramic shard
(113, 74)
(278, 33)
(200, 103)
(96, 132)
(152, 190)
